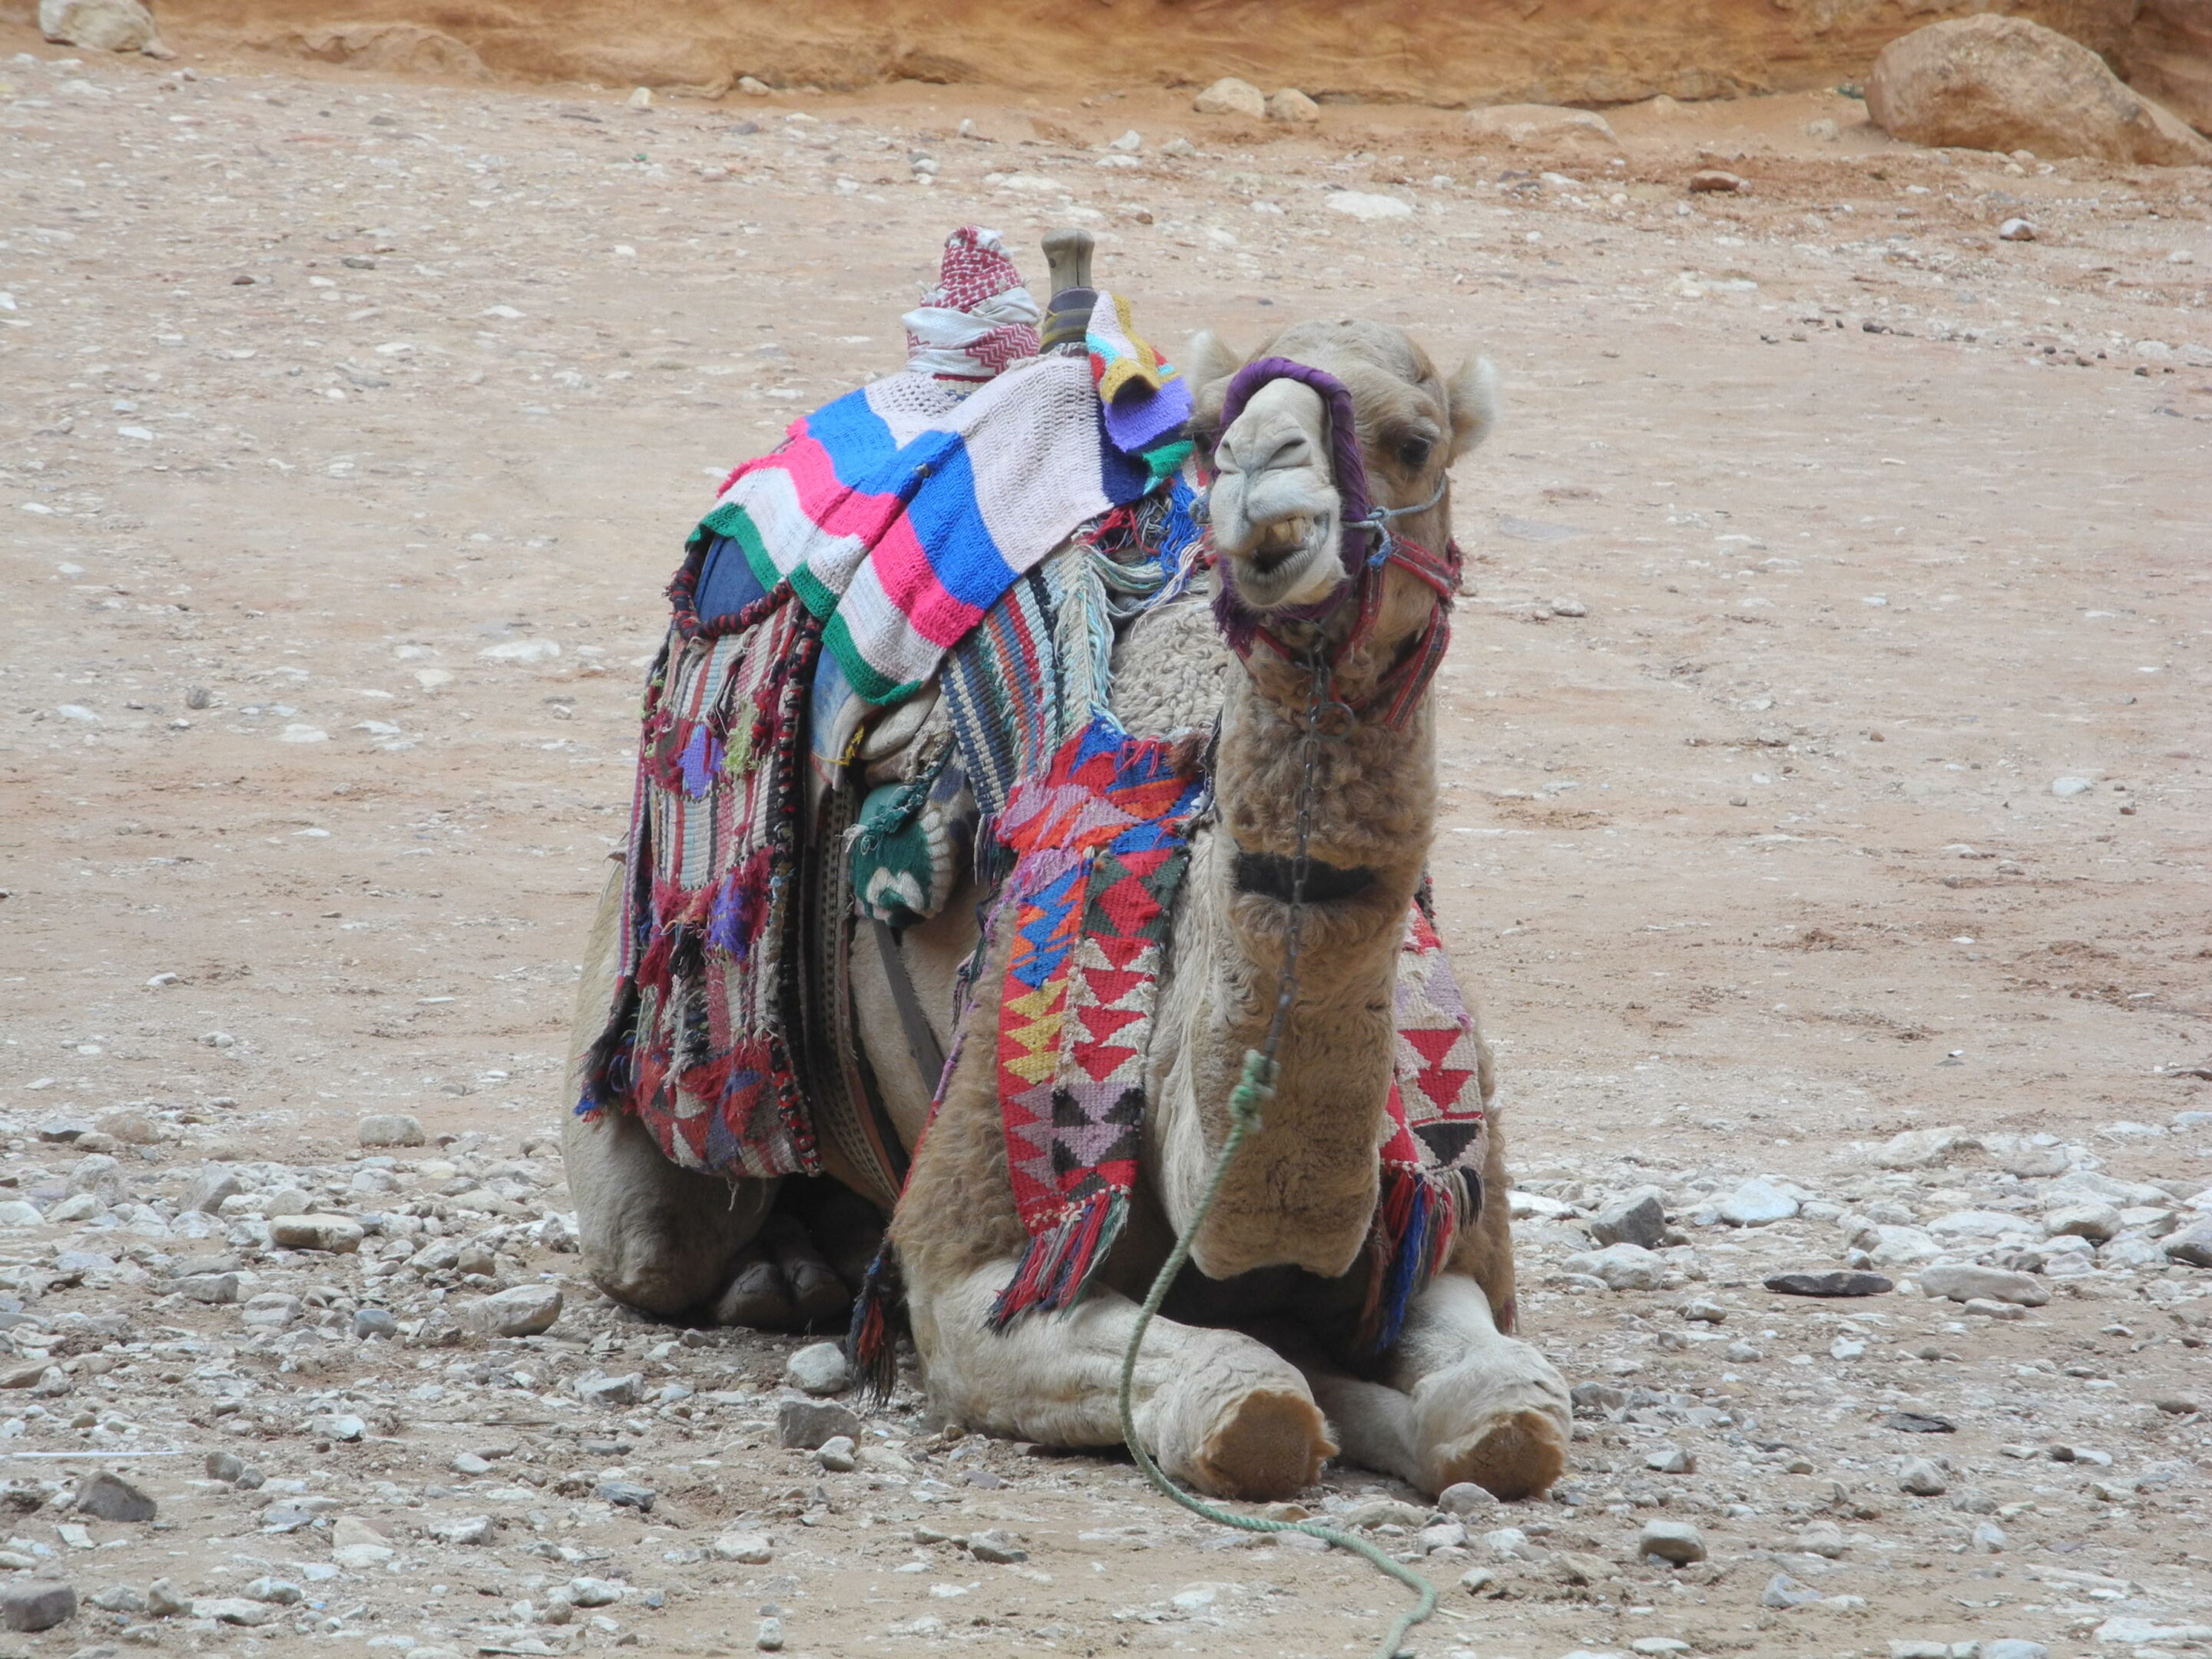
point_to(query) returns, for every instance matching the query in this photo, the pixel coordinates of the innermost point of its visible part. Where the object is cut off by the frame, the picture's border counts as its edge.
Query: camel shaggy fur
(1248, 1382)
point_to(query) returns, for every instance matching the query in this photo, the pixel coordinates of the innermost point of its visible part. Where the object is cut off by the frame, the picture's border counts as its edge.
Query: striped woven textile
(902, 512)
(701, 1042)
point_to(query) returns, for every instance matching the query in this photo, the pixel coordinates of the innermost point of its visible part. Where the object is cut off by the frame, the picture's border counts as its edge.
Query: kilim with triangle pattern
(1100, 845)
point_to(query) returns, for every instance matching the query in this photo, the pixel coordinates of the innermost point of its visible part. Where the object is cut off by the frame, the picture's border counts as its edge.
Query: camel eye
(1413, 453)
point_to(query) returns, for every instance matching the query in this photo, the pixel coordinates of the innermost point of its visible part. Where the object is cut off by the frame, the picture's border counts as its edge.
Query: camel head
(1276, 508)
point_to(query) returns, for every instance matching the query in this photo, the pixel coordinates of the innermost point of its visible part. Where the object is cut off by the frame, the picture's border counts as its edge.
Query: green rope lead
(1251, 1094)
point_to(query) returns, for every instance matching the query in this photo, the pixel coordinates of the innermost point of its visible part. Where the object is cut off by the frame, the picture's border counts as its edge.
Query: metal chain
(1253, 1090)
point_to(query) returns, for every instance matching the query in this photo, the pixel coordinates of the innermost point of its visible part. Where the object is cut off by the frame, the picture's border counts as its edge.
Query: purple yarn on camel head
(1238, 621)
(1346, 465)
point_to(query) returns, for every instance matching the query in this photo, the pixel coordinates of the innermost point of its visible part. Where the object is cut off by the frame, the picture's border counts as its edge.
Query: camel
(1246, 1385)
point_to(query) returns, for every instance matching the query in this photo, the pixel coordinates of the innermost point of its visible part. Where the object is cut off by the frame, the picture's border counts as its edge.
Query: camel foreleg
(1217, 1409)
(1458, 1400)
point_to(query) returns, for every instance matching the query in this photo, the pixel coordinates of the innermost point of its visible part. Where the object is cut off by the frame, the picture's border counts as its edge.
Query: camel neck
(1302, 1191)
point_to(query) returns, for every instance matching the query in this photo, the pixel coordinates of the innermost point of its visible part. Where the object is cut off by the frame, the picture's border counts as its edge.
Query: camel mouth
(1279, 542)
(1288, 561)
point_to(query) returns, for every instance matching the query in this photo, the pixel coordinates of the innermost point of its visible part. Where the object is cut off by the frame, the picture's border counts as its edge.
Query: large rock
(108, 1497)
(2004, 83)
(336, 1235)
(390, 1129)
(1523, 124)
(28, 1604)
(806, 1424)
(819, 1369)
(1620, 1268)
(1640, 1218)
(2170, 57)
(526, 1310)
(1675, 1542)
(1962, 1281)
(1231, 96)
(391, 49)
(1921, 1149)
(100, 25)
(2193, 1247)
(1757, 1204)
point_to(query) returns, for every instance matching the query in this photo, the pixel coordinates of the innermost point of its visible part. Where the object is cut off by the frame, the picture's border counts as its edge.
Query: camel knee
(654, 1236)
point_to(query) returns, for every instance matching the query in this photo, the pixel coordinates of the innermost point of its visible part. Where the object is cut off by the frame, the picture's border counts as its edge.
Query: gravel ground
(1825, 828)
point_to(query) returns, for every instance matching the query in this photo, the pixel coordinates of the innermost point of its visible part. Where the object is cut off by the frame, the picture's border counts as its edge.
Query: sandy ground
(347, 432)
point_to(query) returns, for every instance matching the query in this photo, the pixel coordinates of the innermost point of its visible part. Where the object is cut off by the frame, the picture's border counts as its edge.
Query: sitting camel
(1250, 1380)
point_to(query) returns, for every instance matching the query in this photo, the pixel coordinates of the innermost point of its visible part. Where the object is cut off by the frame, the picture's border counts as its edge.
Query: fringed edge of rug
(1417, 1221)
(878, 1321)
(1058, 1265)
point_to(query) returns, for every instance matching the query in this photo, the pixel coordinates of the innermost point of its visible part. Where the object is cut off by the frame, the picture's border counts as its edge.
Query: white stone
(1962, 1281)
(336, 1235)
(1620, 1266)
(1978, 1224)
(1757, 1204)
(1530, 124)
(748, 1549)
(1366, 204)
(100, 25)
(1919, 1149)
(819, 1369)
(2093, 1222)
(2072, 786)
(390, 1129)
(1290, 105)
(1901, 1247)
(1231, 96)
(522, 651)
(525, 1310)
(1526, 1206)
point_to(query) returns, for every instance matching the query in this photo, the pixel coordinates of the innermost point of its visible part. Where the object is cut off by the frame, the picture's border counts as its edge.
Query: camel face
(1275, 507)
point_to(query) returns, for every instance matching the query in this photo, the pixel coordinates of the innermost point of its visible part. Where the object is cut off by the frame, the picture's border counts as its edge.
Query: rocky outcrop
(1449, 53)
(1523, 124)
(394, 48)
(2004, 83)
(2169, 56)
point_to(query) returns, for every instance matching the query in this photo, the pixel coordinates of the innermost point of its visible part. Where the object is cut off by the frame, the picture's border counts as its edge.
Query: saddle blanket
(1100, 844)
(901, 512)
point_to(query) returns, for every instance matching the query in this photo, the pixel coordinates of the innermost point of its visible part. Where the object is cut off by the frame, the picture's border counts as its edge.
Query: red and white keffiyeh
(978, 319)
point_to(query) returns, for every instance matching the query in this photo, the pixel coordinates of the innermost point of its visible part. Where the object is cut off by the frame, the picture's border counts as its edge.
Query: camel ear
(1209, 363)
(1474, 396)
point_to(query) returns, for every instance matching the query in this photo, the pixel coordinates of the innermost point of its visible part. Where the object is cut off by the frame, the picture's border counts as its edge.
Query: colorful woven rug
(1100, 847)
(700, 1043)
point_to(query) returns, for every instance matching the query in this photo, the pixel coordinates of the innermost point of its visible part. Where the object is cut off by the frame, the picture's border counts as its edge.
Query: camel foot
(756, 1296)
(1517, 1454)
(782, 1282)
(1270, 1443)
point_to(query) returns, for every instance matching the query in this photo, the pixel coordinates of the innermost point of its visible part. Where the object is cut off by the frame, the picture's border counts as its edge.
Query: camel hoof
(819, 1297)
(1270, 1444)
(757, 1297)
(1518, 1455)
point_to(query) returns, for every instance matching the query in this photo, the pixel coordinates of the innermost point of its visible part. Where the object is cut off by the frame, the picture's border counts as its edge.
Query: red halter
(1401, 688)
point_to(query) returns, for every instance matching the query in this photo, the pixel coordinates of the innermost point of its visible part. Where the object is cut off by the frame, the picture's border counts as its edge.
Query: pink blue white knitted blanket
(901, 512)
